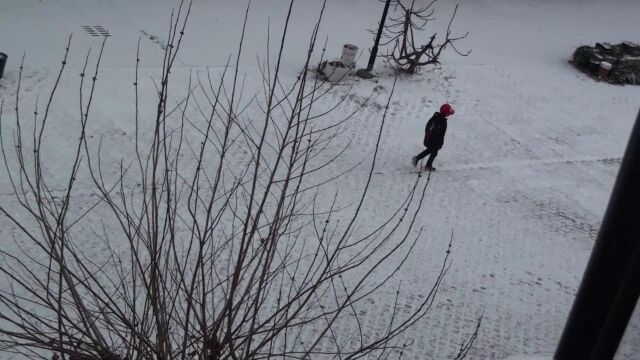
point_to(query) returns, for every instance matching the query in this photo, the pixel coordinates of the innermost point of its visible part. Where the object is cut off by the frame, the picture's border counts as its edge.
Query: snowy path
(523, 179)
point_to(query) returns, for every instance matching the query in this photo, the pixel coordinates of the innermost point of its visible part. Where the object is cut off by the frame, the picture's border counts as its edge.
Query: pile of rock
(618, 64)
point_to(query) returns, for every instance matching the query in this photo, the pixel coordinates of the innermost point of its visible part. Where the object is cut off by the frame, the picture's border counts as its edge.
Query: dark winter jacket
(434, 131)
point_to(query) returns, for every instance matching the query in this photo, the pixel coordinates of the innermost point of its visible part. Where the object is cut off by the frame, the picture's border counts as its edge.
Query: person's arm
(429, 126)
(428, 132)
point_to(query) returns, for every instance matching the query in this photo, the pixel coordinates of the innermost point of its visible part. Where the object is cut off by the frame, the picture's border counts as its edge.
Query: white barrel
(349, 52)
(605, 65)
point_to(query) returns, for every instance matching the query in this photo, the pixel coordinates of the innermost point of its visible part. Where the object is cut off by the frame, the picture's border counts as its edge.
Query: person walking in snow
(434, 136)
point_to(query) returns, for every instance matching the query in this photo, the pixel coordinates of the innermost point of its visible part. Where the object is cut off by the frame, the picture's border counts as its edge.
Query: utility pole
(366, 73)
(610, 286)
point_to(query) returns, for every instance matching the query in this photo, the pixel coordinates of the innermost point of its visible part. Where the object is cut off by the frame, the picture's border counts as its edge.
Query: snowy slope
(524, 177)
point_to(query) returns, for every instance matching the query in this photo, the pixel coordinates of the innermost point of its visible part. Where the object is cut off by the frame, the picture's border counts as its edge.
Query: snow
(523, 179)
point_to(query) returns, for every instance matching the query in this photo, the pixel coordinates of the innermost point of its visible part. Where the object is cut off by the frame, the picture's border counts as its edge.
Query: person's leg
(431, 158)
(426, 152)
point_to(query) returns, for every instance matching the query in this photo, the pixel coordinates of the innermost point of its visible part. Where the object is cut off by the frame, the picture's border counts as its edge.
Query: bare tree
(409, 52)
(218, 238)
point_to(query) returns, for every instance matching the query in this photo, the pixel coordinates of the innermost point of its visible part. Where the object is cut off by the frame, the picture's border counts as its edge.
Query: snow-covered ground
(524, 176)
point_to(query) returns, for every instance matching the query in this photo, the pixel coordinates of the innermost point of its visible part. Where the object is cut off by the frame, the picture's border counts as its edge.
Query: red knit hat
(446, 110)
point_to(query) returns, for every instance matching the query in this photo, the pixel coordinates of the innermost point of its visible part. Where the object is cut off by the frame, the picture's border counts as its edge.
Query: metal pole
(610, 286)
(3, 62)
(621, 312)
(374, 49)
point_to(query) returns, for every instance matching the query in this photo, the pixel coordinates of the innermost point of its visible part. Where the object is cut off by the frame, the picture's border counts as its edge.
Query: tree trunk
(413, 66)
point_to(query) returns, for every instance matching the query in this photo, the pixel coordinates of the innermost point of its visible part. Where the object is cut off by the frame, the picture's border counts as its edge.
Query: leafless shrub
(409, 52)
(211, 254)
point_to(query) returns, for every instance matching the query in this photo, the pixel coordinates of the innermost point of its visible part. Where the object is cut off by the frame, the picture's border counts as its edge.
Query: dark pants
(427, 151)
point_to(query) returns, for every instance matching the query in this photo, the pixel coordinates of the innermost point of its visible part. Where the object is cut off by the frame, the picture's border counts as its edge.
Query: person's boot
(429, 168)
(414, 161)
